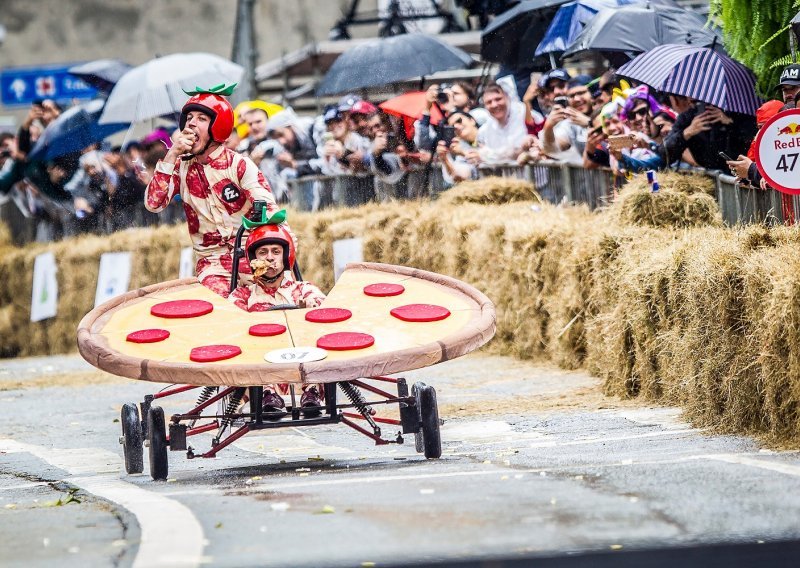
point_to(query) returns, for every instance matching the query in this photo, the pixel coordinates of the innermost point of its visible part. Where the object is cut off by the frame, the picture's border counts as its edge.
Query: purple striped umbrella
(696, 72)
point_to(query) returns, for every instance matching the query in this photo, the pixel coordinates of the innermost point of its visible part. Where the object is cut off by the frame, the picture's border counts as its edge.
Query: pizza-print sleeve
(239, 297)
(165, 183)
(312, 295)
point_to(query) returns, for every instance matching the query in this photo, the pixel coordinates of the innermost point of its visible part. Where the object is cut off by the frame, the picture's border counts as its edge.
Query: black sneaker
(273, 405)
(310, 403)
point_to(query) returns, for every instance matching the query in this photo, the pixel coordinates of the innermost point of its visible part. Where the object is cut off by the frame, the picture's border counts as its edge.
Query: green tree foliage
(756, 33)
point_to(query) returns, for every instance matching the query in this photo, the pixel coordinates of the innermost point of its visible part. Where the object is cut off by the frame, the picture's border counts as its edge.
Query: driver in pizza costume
(217, 185)
(271, 253)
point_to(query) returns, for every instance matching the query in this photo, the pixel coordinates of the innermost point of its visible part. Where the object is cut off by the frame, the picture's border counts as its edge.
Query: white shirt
(502, 142)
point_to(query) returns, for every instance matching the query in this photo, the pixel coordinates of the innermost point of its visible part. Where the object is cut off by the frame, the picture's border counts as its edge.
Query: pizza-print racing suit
(256, 297)
(216, 196)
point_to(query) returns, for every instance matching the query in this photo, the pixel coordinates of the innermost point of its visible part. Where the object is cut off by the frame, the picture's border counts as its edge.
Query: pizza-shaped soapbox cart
(378, 320)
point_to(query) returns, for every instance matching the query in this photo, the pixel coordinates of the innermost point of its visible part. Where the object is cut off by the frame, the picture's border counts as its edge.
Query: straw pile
(682, 201)
(705, 317)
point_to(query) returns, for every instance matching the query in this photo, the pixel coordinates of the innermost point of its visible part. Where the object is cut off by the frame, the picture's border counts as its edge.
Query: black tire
(157, 436)
(431, 437)
(132, 449)
(419, 442)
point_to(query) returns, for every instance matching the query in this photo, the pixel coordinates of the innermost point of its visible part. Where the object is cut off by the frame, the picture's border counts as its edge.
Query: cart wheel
(419, 443)
(431, 438)
(157, 436)
(132, 439)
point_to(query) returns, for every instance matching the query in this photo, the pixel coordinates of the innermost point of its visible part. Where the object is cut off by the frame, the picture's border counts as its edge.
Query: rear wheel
(431, 437)
(157, 436)
(132, 439)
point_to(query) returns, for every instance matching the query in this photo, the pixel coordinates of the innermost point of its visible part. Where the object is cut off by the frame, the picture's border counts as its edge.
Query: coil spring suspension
(205, 394)
(227, 419)
(359, 402)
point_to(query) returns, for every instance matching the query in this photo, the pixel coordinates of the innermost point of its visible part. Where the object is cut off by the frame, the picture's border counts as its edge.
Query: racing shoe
(273, 405)
(310, 403)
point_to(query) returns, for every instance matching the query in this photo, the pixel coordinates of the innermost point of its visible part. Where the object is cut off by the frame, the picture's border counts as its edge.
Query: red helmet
(272, 234)
(217, 108)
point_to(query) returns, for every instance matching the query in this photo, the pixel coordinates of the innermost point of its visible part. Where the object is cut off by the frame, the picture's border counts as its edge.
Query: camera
(447, 133)
(442, 96)
(561, 101)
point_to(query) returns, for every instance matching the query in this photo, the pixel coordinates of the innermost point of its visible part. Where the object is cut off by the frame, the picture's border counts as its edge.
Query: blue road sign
(23, 85)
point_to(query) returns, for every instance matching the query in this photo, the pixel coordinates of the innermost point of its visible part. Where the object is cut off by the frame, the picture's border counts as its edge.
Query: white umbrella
(156, 88)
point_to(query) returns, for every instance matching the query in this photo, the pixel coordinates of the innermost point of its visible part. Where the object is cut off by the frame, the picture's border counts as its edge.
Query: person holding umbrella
(217, 185)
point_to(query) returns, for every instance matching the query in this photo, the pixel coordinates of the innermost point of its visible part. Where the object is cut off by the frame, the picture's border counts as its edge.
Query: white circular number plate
(778, 151)
(296, 355)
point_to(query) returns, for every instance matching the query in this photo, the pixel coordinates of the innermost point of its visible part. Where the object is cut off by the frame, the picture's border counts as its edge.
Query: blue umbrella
(569, 22)
(697, 72)
(74, 130)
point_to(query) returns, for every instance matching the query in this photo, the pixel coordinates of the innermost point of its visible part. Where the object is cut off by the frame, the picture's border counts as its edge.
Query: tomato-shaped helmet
(271, 234)
(218, 109)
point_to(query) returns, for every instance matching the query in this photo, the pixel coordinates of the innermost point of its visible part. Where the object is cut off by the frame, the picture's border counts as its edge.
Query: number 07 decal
(296, 355)
(778, 150)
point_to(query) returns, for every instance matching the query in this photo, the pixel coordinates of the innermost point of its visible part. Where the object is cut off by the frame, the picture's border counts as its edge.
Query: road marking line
(171, 535)
(784, 468)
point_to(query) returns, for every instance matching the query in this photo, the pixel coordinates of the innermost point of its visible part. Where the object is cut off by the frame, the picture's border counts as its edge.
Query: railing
(744, 204)
(555, 182)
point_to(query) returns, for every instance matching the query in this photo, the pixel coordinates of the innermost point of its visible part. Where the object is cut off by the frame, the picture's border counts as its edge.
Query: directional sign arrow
(18, 87)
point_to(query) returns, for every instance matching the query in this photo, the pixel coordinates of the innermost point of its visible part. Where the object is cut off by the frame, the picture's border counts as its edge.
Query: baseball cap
(557, 74)
(332, 113)
(790, 75)
(347, 102)
(363, 107)
(579, 81)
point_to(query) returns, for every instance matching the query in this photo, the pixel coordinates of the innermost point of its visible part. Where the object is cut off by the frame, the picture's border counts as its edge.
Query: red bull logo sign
(778, 151)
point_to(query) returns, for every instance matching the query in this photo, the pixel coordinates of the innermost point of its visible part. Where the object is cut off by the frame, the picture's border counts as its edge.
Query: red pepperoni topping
(328, 315)
(420, 312)
(148, 336)
(182, 309)
(382, 290)
(267, 329)
(345, 341)
(210, 353)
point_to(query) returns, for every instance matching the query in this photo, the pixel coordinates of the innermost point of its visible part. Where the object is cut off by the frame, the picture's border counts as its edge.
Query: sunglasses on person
(641, 112)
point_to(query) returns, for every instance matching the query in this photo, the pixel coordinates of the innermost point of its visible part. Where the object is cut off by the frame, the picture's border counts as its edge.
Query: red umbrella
(409, 107)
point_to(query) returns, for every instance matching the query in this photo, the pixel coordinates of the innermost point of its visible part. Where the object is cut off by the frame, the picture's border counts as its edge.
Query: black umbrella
(634, 29)
(512, 37)
(101, 73)
(74, 130)
(383, 61)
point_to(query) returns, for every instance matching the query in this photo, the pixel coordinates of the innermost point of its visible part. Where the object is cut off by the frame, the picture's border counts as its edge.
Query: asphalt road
(538, 469)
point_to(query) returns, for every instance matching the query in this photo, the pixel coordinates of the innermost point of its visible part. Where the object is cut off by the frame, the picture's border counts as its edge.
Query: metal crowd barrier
(744, 204)
(554, 181)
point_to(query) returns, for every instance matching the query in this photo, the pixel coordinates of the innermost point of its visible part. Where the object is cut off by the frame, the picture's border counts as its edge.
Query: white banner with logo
(114, 276)
(44, 299)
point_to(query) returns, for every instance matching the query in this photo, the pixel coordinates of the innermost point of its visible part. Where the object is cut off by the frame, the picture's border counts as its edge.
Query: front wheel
(157, 436)
(132, 439)
(431, 437)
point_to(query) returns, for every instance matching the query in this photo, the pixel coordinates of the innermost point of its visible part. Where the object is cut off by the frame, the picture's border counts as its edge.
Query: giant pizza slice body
(378, 319)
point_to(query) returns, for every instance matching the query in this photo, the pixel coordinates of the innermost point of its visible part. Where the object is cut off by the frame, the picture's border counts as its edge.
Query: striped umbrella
(696, 72)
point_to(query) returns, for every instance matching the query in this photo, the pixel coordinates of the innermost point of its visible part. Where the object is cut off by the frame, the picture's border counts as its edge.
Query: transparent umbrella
(156, 88)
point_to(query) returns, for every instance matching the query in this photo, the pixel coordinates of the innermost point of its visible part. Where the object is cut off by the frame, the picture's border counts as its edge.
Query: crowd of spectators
(592, 122)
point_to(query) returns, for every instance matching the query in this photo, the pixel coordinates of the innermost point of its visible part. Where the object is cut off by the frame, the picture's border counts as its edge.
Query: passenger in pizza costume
(217, 185)
(271, 252)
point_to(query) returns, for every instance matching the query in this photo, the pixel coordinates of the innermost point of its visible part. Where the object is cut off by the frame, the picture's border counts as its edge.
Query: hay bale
(666, 208)
(491, 190)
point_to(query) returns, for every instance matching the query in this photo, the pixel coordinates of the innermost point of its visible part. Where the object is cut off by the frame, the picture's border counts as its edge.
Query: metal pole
(245, 51)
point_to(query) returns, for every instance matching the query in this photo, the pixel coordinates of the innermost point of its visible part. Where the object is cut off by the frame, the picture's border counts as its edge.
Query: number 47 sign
(778, 150)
